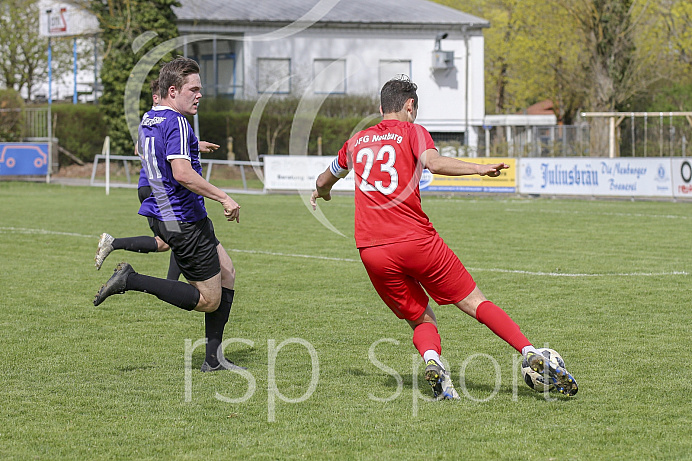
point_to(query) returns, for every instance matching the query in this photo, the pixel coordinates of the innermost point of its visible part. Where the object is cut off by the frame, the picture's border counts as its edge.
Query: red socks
(501, 324)
(426, 337)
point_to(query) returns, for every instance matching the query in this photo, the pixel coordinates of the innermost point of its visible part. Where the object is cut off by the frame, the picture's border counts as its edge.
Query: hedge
(11, 104)
(81, 130)
(218, 126)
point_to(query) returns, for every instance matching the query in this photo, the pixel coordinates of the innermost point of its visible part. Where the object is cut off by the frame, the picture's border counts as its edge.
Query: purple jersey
(143, 181)
(164, 135)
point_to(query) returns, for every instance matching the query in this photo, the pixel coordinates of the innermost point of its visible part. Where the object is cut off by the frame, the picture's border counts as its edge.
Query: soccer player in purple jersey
(177, 214)
(140, 244)
(144, 244)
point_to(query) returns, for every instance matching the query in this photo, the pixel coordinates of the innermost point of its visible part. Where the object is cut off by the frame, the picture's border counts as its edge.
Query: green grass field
(606, 283)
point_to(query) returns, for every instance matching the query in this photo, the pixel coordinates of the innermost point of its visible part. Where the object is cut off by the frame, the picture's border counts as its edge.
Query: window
(271, 71)
(217, 62)
(222, 84)
(391, 68)
(329, 76)
(226, 76)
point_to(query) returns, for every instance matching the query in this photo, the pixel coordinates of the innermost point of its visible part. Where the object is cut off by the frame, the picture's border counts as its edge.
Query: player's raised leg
(500, 323)
(142, 244)
(207, 296)
(125, 278)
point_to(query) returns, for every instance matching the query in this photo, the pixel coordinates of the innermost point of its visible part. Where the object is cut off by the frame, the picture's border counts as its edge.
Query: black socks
(142, 244)
(180, 294)
(185, 296)
(214, 323)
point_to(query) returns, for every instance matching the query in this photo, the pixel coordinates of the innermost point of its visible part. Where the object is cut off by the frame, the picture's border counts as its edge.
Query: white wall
(441, 93)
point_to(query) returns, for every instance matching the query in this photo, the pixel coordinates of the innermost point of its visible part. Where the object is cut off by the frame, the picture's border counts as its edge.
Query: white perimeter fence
(207, 164)
(666, 177)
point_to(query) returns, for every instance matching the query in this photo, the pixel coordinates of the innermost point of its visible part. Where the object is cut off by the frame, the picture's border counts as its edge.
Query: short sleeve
(177, 139)
(420, 140)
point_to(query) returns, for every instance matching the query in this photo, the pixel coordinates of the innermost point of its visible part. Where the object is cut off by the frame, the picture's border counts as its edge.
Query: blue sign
(19, 158)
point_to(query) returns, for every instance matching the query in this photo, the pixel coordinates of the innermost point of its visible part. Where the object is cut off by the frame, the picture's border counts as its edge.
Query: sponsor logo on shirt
(376, 138)
(152, 121)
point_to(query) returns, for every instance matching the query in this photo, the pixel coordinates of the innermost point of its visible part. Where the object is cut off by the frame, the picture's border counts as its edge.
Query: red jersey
(385, 159)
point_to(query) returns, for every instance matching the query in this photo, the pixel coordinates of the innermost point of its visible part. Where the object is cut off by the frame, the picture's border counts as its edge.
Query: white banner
(682, 176)
(65, 20)
(628, 177)
(635, 177)
(299, 172)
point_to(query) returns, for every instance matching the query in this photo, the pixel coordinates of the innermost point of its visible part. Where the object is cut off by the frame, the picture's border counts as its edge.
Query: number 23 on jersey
(368, 156)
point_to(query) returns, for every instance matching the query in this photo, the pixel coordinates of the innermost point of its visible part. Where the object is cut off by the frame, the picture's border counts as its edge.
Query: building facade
(308, 48)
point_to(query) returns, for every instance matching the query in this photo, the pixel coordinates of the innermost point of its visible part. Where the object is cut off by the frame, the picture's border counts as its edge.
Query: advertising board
(645, 177)
(23, 158)
(682, 176)
(505, 183)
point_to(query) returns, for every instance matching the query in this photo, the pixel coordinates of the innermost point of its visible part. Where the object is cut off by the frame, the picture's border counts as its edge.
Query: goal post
(668, 133)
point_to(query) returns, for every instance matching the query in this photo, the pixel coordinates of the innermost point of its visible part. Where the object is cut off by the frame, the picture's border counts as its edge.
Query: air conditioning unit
(442, 59)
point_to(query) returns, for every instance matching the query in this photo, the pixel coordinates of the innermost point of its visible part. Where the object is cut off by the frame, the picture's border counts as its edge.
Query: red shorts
(400, 271)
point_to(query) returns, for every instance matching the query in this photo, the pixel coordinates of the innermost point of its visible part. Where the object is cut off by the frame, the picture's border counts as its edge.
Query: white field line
(566, 274)
(604, 213)
(293, 255)
(21, 230)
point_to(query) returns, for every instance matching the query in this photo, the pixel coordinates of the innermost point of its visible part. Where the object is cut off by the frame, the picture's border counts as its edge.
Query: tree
(498, 47)
(122, 21)
(501, 39)
(23, 52)
(608, 28)
(581, 54)
(677, 19)
(531, 54)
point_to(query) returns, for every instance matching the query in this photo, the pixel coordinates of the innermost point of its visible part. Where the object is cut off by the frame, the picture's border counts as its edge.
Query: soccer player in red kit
(402, 253)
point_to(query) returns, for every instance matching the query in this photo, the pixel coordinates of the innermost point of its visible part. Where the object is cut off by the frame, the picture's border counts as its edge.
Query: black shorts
(143, 192)
(193, 245)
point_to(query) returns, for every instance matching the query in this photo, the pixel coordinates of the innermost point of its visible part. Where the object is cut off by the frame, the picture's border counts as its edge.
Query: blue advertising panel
(19, 158)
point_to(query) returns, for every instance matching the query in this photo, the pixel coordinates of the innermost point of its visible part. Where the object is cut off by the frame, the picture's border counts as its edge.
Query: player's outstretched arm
(438, 164)
(325, 182)
(190, 179)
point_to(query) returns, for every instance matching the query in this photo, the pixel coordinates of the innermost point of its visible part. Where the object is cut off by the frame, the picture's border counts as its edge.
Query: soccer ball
(537, 381)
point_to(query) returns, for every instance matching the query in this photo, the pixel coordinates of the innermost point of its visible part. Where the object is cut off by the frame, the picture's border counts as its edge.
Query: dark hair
(396, 92)
(154, 85)
(174, 74)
